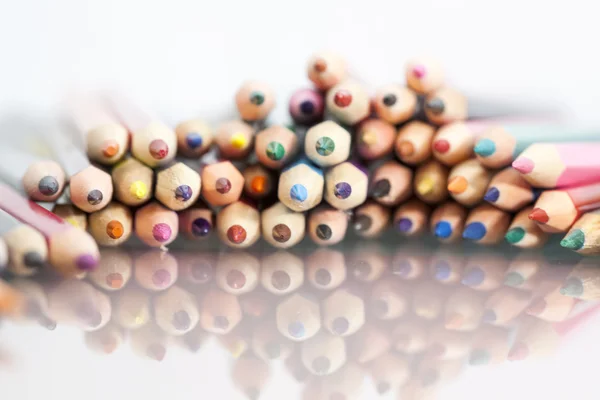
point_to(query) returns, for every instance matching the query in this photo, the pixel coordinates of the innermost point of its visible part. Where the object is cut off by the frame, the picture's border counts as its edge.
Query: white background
(186, 58)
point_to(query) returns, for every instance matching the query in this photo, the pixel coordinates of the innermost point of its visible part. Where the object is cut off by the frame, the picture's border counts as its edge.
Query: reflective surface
(409, 320)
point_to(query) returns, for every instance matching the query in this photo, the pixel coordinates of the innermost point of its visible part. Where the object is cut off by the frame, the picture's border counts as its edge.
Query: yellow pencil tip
(238, 141)
(72, 221)
(138, 189)
(369, 138)
(425, 186)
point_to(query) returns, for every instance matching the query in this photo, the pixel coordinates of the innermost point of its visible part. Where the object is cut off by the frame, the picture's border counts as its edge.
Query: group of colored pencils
(419, 157)
(411, 318)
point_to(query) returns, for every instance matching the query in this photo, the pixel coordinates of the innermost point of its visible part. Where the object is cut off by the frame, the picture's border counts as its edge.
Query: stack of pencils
(419, 157)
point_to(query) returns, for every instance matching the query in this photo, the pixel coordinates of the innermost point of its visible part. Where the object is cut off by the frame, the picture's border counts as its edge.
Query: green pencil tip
(515, 235)
(574, 240)
(514, 279)
(573, 287)
(485, 148)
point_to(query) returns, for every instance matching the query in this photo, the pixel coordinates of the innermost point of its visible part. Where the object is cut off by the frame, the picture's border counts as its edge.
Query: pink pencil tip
(418, 71)
(523, 164)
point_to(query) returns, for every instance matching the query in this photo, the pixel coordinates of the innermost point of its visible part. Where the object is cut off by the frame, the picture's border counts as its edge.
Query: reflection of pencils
(68, 259)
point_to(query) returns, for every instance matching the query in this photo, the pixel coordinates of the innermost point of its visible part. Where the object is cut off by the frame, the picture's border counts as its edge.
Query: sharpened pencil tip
(523, 164)
(458, 184)
(492, 195)
(573, 287)
(538, 215)
(485, 148)
(574, 240)
(515, 235)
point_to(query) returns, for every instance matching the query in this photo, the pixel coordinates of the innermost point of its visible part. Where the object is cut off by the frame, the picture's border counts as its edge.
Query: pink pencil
(551, 165)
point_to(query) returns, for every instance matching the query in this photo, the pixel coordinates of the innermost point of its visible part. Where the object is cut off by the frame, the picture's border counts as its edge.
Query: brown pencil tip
(538, 215)
(406, 148)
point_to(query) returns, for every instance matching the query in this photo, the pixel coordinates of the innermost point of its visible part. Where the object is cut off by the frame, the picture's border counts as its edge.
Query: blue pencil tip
(298, 192)
(442, 270)
(474, 277)
(492, 195)
(474, 231)
(443, 230)
(194, 140)
(485, 148)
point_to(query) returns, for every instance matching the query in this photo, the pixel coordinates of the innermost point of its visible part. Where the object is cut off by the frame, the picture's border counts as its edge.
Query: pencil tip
(518, 352)
(573, 287)
(454, 321)
(489, 316)
(473, 277)
(436, 106)
(404, 225)
(574, 240)
(442, 270)
(485, 148)
(443, 230)
(86, 262)
(156, 352)
(474, 231)
(538, 215)
(425, 186)
(441, 146)
(419, 71)
(406, 148)
(515, 235)
(238, 141)
(381, 188)
(458, 184)
(514, 279)
(523, 164)
(479, 357)
(492, 195)
(537, 307)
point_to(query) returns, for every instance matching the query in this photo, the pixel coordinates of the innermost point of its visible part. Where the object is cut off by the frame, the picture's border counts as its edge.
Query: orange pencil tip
(258, 184)
(457, 185)
(406, 149)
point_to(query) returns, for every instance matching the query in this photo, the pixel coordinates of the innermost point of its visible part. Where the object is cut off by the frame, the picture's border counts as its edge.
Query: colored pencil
(551, 165)
(152, 142)
(489, 346)
(234, 139)
(131, 308)
(324, 353)
(111, 226)
(463, 310)
(391, 183)
(468, 181)
(524, 232)
(413, 143)
(106, 340)
(220, 312)
(390, 300)
(501, 143)
(346, 185)
(446, 266)
(306, 106)
(486, 225)
(301, 186)
(238, 225)
(149, 341)
(327, 144)
(389, 372)
(66, 258)
(114, 270)
(194, 138)
(348, 102)
(36, 301)
(424, 75)
(155, 270)
(326, 268)
(535, 339)
(505, 304)
(25, 249)
(156, 225)
(282, 227)
(367, 261)
(395, 103)
(524, 271)
(268, 344)
(557, 210)
(72, 215)
(326, 69)
(254, 101)
(197, 267)
(409, 263)
(41, 179)
(259, 182)
(177, 186)
(429, 299)
(250, 376)
(343, 312)
(509, 191)
(445, 105)
(370, 342)
(375, 139)
(410, 336)
(281, 272)
(445, 344)
(411, 218)
(430, 182)
(551, 306)
(176, 311)
(298, 317)
(196, 222)
(453, 143)
(447, 221)
(583, 282)
(105, 139)
(327, 226)
(91, 189)
(133, 182)
(370, 219)
(79, 304)
(484, 271)
(275, 146)
(584, 235)
(222, 183)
